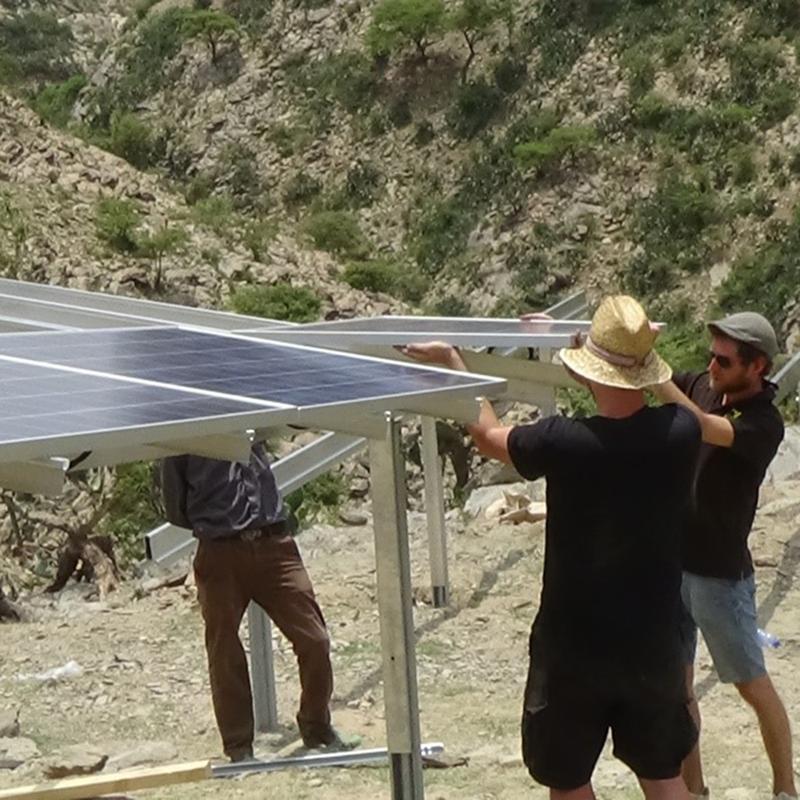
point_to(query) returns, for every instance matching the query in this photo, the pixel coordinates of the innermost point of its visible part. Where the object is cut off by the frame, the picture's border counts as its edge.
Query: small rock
(352, 517)
(9, 724)
(16, 751)
(75, 760)
(142, 755)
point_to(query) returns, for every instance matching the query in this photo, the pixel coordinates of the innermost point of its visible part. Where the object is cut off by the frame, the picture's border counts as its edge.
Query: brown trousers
(269, 571)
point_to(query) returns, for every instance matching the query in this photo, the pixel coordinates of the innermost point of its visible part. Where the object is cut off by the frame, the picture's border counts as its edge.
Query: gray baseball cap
(749, 327)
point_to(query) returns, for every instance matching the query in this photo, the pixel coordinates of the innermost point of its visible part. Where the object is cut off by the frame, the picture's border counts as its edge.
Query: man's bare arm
(490, 437)
(716, 430)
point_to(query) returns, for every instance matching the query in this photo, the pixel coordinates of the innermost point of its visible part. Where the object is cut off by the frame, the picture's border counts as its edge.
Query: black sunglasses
(724, 362)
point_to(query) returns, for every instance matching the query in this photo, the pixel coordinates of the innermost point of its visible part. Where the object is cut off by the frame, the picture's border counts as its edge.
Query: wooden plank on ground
(98, 785)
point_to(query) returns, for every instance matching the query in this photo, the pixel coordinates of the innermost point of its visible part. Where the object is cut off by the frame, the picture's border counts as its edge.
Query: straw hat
(618, 350)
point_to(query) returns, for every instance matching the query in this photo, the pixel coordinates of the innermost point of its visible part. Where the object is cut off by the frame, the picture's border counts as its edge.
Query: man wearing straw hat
(605, 647)
(733, 401)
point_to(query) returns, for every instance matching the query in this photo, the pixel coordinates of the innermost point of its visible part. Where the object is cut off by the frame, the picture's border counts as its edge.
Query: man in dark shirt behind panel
(742, 429)
(245, 553)
(605, 647)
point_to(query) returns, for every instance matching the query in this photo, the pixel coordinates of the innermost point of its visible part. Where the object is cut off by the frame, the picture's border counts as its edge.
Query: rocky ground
(140, 695)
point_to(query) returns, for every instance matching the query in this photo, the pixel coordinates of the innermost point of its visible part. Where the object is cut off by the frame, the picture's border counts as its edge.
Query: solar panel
(257, 370)
(465, 331)
(43, 408)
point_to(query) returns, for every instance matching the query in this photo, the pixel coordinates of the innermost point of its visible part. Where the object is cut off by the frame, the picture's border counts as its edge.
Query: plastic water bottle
(766, 639)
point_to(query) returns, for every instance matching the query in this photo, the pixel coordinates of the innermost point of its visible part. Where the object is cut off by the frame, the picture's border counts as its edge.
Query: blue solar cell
(252, 369)
(40, 402)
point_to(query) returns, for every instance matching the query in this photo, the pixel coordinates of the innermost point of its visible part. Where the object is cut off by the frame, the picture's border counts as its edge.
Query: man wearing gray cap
(742, 429)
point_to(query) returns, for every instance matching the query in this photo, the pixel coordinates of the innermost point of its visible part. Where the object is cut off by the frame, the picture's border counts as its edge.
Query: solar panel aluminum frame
(354, 334)
(55, 301)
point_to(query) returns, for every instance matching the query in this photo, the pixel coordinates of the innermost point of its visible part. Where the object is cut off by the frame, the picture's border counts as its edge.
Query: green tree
(474, 19)
(35, 45)
(211, 26)
(165, 241)
(398, 22)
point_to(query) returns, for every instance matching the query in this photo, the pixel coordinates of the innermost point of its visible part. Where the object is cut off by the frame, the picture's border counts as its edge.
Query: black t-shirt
(727, 481)
(616, 493)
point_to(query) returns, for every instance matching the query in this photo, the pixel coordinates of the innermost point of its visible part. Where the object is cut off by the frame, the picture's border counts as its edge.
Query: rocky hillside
(309, 158)
(645, 146)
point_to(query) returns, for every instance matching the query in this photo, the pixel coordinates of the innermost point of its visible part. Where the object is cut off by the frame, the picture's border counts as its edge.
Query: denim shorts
(725, 612)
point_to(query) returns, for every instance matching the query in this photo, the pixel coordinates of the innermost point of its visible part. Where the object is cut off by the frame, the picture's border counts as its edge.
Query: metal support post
(547, 404)
(396, 618)
(434, 511)
(262, 670)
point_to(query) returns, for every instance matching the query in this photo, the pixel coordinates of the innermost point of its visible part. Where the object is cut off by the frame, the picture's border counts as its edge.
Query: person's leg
(669, 789)
(584, 792)
(282, 587)
(760, 693)
(692, 767)
(729, 624)
(223, 600)
(564, 727)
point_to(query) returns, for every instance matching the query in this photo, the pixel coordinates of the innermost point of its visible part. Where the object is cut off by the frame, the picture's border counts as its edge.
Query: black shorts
(567, 718)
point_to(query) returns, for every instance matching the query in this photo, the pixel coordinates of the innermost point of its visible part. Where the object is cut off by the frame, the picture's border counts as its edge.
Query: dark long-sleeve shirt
(219, 498)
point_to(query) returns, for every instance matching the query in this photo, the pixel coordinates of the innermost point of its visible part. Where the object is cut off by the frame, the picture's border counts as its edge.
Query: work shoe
(331, 740)
(785, 796)
(245, 754)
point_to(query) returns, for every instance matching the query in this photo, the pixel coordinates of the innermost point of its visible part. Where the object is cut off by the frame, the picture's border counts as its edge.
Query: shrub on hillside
(34, 45)
(336, 232)
(132, 139)
(134, 506)
(474, 108)
(215, 212)
(509, 75)
(549, 153)
(347, 78)
(116, 223)
(754, 66)
(252, 15)
(363, 184)
(373, 276)
(158, 39)
(668, 228)
(301, 189)
(775, 264)
(237, 168)
(257, 235)
(280, 301)
(318, 499)
(639, 69)
(54, 103)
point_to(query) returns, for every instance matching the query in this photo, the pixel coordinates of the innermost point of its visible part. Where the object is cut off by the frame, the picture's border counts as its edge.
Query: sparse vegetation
(336, 232)
(280, 301)
(117, 222)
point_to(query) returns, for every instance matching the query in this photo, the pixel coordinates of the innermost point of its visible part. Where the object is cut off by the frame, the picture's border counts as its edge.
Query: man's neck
(744, 394)
(617, 403)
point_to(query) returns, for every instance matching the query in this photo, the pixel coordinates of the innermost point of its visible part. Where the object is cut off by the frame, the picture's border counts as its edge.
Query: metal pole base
(441, 597)
(340, 759)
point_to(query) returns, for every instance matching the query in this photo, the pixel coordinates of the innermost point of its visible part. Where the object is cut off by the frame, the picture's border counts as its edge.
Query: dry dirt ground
(144, 679)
